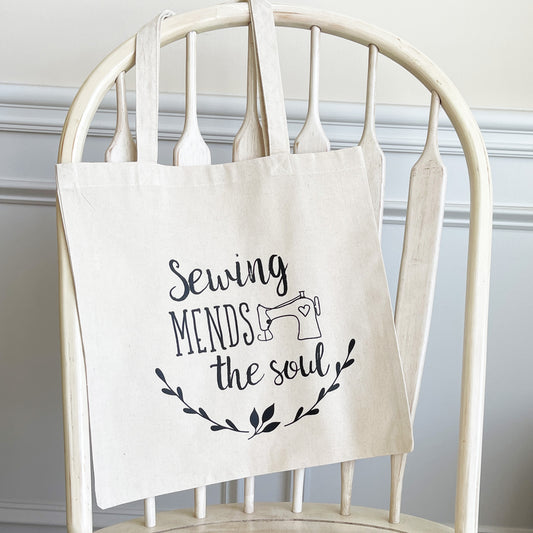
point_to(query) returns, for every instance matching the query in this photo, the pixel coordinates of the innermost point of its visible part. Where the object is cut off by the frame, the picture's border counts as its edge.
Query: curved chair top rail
(236, 14)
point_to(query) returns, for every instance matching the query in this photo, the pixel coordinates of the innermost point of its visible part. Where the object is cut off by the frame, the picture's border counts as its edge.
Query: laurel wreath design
(259, 425)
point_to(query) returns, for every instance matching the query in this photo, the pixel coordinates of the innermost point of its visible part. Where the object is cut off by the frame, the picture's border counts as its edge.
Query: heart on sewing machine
(304, 309)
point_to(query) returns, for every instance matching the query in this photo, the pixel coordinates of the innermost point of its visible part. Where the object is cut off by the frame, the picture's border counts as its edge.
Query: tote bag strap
(276, 132)
(147, 52)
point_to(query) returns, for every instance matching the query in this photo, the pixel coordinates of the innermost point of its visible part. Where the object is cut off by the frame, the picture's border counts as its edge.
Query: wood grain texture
(249, 141)
(312, 137)
(375, 170)
(347, 472)
(418, 272)
(122, 147)
(277, 517)
(372, 152)
(75, 408)
(191, 149)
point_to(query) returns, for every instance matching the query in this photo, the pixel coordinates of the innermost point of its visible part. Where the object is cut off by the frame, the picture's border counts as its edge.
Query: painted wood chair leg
(298, 490)
(347, 471)
(200, 502)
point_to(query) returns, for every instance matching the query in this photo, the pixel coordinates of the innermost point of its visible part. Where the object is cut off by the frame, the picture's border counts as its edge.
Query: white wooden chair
(414, 297)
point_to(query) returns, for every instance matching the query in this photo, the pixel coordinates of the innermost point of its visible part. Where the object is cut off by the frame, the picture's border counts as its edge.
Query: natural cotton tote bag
(235, 318)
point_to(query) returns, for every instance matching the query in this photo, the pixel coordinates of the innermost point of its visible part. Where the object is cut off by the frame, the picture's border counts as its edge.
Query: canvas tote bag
(235, 318)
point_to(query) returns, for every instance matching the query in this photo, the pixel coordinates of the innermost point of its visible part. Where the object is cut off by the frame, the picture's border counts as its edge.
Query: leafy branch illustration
(259, 427)
(323, 391)
(216, 426)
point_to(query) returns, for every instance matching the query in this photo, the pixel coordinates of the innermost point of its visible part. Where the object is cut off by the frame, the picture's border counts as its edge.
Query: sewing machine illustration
(305, 310)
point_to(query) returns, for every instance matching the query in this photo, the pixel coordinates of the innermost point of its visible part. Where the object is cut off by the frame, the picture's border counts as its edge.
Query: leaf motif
(299, 413)
(179, 393)
(189, 411)
(338, 367)
(203, 414)
(168, 391)
(254, 419)
(322, 393)
(313, 412)
(270, 427)
(217, 428)
(160, 374)
(351, 346)
(231, 424)
(268, 413)
(348, 363)
(335, 386)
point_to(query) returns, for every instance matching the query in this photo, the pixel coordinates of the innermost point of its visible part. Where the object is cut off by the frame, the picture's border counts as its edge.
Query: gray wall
(31, 460)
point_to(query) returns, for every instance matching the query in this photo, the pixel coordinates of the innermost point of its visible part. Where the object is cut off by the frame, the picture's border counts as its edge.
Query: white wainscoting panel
(31, 468)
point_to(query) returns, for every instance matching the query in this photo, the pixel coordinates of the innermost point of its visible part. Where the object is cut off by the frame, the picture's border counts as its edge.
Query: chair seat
(315, 518)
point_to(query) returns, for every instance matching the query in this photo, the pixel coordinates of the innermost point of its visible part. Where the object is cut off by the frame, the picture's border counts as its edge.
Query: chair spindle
(372, 153)
(312, 137)
(347, 471)
(249, 142)
(191, 149)
(375, 167)
(149, 512)
(298, 477)
(200, 502)
(416, 285)
(122, 147)
(249, 486)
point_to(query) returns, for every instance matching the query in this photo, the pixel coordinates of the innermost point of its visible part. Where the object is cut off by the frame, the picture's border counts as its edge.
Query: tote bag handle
(147, 57)
(271, 91)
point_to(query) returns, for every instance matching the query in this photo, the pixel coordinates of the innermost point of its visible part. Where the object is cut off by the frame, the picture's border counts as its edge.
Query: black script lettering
(211, 325)
(279, 270)
(174, 294)
(198, 280)
(230, 310)
(198, 339)
(291, 368)
(180, 331)
(248, 338)
(227, 377)
(212, 328)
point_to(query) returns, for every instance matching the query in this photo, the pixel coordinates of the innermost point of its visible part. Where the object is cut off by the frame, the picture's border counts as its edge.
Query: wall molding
(27, 191)
(23, 513)
(400, 128)
(39, 109)
(42, 192)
